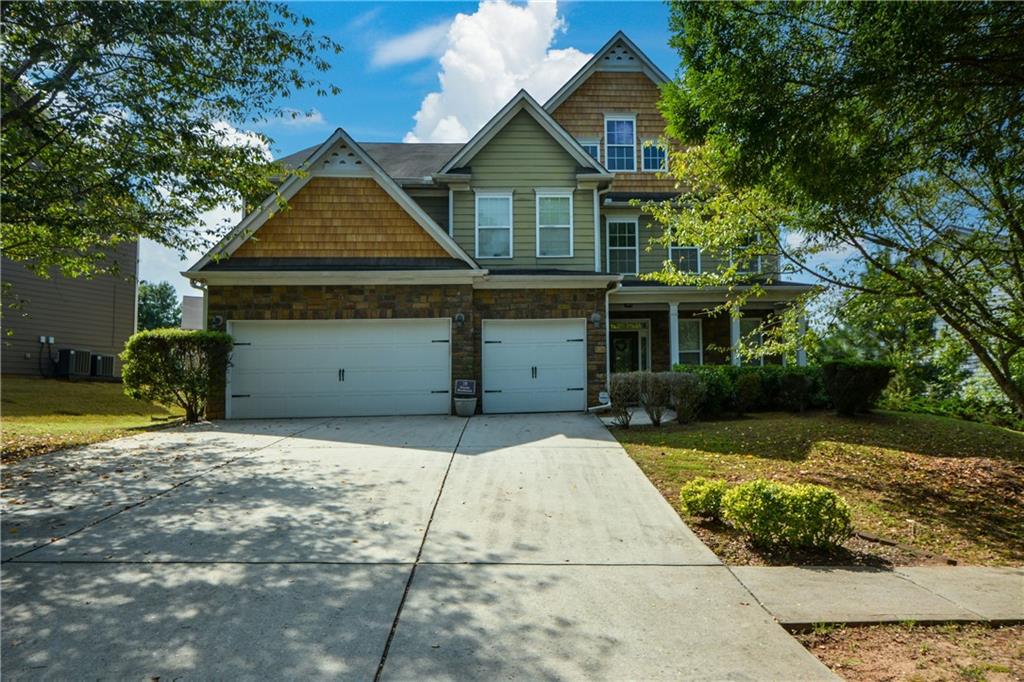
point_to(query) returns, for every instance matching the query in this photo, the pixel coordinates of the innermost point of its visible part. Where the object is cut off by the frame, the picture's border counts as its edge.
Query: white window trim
(608, 241)
(700, 339)
(760, 263)
(562, 194)
(653, 142)
(621, 117)
(595, 141)
(477, 228)
(674, 260)
(760, 321)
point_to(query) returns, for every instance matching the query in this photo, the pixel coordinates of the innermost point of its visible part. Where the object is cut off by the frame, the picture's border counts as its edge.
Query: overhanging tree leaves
(848, 134)
(118, 119)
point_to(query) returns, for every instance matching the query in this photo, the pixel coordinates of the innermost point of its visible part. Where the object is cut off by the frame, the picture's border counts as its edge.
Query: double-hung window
(554, 224)
(623, 246)
(751, 337)
(685, 258)
(691, 342)
(655, 157)
(494, 225)
(592, 147)
(746, 263)
(620, 143)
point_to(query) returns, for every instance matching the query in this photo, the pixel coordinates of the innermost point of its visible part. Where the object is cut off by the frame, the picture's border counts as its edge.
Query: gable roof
(523, 102)
(400, 160)
(618, 54)
(338, 155)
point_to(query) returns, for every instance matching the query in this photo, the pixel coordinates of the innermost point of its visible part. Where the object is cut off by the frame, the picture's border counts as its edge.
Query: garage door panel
(293, 368)
(534, 365)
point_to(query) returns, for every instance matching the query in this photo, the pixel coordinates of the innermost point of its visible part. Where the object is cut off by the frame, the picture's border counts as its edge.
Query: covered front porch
(654, 328)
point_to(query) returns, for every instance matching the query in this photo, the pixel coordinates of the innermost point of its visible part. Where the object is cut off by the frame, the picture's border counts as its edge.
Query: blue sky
(396, 55)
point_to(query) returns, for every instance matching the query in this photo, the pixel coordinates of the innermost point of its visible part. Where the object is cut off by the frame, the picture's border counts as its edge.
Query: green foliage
(655, 395)
(703, 497)
(889, 133)
(855, 385)
(175, 367)
(780, 515)
(118, 120)
(687, 392)
(158, 306)
(749, 394)
(624, 392)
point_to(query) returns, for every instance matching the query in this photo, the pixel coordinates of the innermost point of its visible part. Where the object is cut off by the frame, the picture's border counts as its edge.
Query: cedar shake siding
(341, 218)
(609, 92)
(97, 315)
(400, 301)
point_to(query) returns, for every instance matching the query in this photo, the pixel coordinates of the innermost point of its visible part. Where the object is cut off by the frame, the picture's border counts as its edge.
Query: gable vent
(341, 158)
(619, 55)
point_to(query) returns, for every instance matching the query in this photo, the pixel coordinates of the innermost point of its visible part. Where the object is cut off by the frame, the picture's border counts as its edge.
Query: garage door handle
(492, 341)
(574, 340)
(341, 375)
(574, 389)
(492, 391)
(533, 372)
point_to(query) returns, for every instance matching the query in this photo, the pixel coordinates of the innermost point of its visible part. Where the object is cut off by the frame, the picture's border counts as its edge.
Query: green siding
(523, 158)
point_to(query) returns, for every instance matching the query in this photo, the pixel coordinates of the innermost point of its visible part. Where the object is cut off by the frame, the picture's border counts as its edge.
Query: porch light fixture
(595, 317)
(460, 319)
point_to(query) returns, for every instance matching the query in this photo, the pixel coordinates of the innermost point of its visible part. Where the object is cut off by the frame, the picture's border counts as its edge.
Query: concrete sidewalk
(812, 594)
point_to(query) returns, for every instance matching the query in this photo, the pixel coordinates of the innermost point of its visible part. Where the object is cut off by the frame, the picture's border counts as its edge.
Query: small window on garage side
(494, 225)
(554, 224)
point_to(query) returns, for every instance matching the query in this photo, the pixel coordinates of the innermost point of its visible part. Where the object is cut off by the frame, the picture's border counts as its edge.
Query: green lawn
(41, 415)
(941, 485)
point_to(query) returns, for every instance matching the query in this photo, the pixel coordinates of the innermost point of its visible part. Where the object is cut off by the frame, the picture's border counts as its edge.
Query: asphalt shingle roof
(398, 159)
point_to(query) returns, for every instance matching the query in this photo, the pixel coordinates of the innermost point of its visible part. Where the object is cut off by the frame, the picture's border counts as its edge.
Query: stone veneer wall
(399, 301)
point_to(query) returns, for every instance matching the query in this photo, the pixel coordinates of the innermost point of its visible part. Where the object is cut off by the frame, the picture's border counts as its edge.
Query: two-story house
(511, 260)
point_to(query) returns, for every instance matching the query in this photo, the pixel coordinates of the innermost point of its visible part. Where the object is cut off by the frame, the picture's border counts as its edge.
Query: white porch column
(673, 333)
(801, 353)
(734, 340)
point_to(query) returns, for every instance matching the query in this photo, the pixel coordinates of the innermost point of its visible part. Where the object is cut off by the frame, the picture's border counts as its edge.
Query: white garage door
(339, 368)
(534, 365)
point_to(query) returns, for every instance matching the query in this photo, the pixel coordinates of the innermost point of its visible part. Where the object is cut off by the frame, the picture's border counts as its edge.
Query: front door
(625, 351)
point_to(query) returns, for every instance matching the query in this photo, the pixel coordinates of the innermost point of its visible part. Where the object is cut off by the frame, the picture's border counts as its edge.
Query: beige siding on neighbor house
(523, 158)
(341, 217)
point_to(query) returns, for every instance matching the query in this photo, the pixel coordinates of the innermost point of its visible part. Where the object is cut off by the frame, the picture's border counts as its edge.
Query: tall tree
(849, 134)
(118, 119)
(158, 306)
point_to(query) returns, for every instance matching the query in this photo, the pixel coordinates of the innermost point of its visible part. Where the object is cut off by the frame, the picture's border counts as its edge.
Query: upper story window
(691, 341)
(620, 143)
(685, 258)
(494, 225)
(655, 157)
(623, 246)
(747, 264)
(592, 147)
(554, 224)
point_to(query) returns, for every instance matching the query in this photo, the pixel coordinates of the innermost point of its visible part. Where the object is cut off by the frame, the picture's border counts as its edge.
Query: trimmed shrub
(686, 393)
(748, 394)
(855, 385)
(703, 497)
(655, 395)
(795, 390)
(624, 392)
(776, 515)
(718, 391)
(175, 367)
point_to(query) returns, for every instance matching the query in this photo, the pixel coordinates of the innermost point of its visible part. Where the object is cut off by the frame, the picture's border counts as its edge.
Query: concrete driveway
(518, 546)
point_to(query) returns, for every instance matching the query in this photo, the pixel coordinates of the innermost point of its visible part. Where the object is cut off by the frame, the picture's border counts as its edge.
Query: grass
(42, 415)
(921, 653)
(937, 484)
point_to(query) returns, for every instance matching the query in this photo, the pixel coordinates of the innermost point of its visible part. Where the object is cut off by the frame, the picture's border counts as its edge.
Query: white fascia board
(647, 67)
(341, 277)
(521, 102)
(496, 280)
(293, 184)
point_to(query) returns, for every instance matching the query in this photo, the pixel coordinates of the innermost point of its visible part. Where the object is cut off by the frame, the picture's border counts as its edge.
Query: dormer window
(655, 157)
(620, 143)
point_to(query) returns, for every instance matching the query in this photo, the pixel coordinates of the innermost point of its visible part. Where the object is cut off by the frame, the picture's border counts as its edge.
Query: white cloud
(429, 41)
(488, 57)
(230, 136)
(295, 118)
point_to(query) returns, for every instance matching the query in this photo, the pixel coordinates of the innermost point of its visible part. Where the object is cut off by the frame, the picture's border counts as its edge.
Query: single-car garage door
(534, 365)
(338, 368)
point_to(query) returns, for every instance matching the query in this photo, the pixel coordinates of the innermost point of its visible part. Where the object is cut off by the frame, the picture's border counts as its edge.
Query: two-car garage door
(339, 368)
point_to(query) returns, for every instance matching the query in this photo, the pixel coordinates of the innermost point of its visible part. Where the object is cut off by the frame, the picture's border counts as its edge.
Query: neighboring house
(192, 312)
(43, 317)
(510, 260)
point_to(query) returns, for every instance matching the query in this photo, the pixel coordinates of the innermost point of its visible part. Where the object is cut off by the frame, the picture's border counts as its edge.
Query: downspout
(607, 352)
